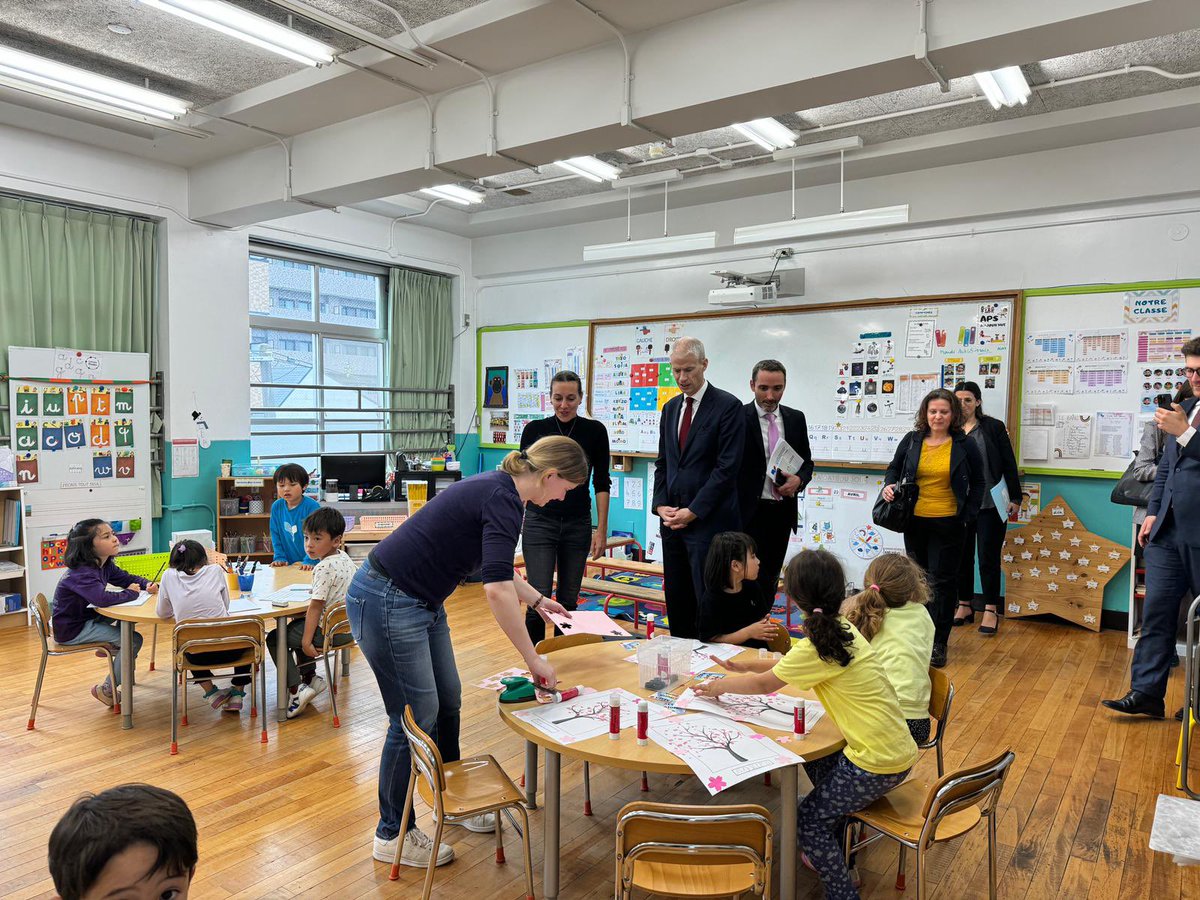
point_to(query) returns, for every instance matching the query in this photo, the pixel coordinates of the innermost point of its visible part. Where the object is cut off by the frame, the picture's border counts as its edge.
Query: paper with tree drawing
(591, 622)
(586, 716)
(760, 710)
(702, 654)
(721, 752)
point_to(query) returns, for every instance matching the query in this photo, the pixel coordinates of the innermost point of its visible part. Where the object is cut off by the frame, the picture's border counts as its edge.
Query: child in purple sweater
(91, 548)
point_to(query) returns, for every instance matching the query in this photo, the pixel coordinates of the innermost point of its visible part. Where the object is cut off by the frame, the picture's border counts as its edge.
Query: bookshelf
(12, 553)
(246, 534)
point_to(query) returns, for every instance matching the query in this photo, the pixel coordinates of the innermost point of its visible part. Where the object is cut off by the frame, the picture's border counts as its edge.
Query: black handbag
(895, 514)
(1129, 491)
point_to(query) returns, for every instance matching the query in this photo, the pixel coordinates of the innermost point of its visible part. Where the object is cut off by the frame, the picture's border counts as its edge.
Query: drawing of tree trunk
(594, 711)
(750, 705)
(710, 738)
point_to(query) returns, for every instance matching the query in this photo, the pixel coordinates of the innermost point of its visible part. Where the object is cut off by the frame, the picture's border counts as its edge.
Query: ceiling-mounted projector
(744, 295)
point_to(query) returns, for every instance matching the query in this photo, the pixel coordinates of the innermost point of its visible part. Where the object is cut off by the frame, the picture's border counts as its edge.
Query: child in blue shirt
(288, 514)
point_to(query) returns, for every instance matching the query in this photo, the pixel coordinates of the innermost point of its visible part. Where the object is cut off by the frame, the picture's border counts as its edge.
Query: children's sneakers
(103, 692)
(303, 696)
(317, 684)
(217, 698)
(417, 849)
(484, 823)
(236, 698)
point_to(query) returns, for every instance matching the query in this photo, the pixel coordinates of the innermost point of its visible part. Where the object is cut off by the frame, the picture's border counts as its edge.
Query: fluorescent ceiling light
(590, 168)
(767, 133)
(245, 26)
(25, 68)
(822, 148)
(454, 193)
(674, 243)
(858, 220)
(654, 178)
(300, 8)
(1004, 87)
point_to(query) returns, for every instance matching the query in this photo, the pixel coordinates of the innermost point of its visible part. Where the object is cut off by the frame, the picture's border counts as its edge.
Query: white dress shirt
(696, 398)
(764, 427)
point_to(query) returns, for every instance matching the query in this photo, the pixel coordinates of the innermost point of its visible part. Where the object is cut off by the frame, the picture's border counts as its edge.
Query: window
(316, 324)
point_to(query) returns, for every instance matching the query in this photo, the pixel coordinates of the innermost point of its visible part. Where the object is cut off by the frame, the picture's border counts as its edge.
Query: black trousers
(987, 533)
(770, 525)
(241, 676)
(936, 545)
(549, 543)
(683, 571)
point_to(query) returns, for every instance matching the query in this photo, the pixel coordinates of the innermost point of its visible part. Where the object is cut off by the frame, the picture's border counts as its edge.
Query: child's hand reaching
(730, 665)
(712, 688)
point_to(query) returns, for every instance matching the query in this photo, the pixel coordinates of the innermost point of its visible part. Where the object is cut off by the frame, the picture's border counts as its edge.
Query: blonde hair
(892, 581)
(557, 453)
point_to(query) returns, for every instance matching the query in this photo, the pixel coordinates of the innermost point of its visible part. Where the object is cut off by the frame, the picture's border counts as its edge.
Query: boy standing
(323, 531)
(288, 514)
(134, 841)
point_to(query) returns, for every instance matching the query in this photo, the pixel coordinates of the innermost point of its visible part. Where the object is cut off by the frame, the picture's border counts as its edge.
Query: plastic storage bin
(663, 662)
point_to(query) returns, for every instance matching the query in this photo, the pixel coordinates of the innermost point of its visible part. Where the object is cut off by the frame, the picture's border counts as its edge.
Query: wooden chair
(459, 790)
(694, 851)
(245, 633)
(917, 815)
(334, 624)
(781, 643)
(941, 696)
(40, 609)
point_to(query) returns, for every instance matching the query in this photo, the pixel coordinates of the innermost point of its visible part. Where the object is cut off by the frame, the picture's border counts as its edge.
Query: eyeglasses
(1189, 371)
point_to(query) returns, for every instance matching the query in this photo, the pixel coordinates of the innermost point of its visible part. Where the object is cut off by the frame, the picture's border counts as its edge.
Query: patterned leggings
(919, 729)
(839, 788)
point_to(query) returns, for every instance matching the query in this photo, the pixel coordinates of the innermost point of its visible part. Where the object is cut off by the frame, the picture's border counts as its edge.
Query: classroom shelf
(6, 549)
(247, 516)
(4, 576)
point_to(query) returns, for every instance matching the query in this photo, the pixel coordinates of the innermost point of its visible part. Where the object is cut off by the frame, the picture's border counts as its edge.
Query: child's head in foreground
(133, 841)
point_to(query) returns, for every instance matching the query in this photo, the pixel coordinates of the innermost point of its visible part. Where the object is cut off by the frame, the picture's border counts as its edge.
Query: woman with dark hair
(947, 469)
(999, 464)
(559, 534)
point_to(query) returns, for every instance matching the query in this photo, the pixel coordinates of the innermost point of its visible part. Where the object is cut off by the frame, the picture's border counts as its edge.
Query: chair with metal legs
(40, 610)
(941, 696)
(335, 625)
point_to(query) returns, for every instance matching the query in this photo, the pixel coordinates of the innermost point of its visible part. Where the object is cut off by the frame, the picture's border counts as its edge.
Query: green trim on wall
(1077, 473)
(1111, 288)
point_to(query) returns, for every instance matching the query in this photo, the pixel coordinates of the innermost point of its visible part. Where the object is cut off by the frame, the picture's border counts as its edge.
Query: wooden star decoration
(1078, 593)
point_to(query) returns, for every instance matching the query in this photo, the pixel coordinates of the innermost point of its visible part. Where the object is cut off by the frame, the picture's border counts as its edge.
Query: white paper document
(591, 622)
(634, 492)
(1072, 436)
(1035, 444)
(918, 343)
(760, 710)
(784, 459)
(720, 751)
(1114, 434)
(586, 716)
(246, 605)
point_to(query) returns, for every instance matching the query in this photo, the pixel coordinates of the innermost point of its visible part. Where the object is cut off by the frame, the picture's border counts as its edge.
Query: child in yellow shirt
(838, 664)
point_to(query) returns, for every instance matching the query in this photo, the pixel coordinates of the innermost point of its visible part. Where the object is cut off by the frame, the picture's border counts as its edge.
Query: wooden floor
(295, 818)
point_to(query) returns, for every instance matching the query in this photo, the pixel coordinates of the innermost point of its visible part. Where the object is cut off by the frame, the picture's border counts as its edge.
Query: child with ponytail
(840, 666)
(891, 613)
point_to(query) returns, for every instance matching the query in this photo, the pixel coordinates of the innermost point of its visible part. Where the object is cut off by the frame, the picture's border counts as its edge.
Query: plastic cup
(246, 583)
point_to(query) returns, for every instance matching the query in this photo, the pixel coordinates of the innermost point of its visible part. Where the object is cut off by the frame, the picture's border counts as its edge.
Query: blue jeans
(105, 631)
(548, 542)
(407, 645)
(1172, 579)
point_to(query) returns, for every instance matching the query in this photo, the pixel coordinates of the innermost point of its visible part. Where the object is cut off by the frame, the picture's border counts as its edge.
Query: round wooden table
(604, 667)
(266, 581)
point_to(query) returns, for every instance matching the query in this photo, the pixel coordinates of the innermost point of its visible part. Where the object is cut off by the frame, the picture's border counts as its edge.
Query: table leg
(551, 813)
(531, 750)
(281, 686)
(788, 795)
(126, 674)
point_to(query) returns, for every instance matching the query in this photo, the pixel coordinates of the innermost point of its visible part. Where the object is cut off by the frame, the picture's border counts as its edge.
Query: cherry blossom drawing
(597, 710)
(716, 784)
(720, 752)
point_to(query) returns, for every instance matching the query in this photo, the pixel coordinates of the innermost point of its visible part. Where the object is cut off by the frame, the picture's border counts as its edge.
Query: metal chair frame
(941, 716)
(333, 623)
(40, 610)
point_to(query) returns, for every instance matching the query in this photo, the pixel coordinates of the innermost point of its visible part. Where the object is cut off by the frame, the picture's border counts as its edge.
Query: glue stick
(798, 721)
(649, 625)
(643, 723)
(614, 715)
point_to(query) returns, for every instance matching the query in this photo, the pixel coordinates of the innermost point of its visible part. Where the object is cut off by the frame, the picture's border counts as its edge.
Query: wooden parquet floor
(294, 818)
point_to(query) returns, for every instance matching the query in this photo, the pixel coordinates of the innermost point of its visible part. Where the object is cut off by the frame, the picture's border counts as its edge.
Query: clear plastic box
(663, 662)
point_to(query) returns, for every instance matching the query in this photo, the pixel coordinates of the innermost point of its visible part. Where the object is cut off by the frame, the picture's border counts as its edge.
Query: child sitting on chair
(131, 841)
(193, 589)
(288, 514)
(91, 548)
(733, 609)
(323, 530)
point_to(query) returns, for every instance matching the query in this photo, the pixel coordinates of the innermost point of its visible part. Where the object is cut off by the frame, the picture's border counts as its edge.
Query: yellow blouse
(935, 497)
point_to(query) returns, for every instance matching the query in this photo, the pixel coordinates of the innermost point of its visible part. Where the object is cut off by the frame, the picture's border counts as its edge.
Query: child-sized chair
(40, 609)
(694, 851)
(941, 696)
(242, 633)
(459, 790)
(334, 624)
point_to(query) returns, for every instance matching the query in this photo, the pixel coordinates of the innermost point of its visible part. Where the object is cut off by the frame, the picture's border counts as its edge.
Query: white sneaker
(317, 684)
(303, 696)
(417, 847)
(484, 823)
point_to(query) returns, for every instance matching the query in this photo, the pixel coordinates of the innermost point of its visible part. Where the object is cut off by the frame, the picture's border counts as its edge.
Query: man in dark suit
(695, 479)
(769, 506)
(1172, 541)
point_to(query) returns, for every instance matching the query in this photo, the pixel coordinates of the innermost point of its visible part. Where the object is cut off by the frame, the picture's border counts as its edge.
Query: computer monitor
(363, 470)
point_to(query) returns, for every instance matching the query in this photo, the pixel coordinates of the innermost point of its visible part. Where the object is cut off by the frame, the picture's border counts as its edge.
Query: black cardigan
(966, 470)
(1002, 462)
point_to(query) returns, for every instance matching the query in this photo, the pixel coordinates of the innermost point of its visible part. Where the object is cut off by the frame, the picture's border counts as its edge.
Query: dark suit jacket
(1178, 483)
(704, 477)
(966, 470)
(754, 459)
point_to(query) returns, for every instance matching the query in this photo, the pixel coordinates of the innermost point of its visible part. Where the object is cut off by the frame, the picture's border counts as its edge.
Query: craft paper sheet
(594, 622)
(760, 710)
(586, 716)
(719, 751)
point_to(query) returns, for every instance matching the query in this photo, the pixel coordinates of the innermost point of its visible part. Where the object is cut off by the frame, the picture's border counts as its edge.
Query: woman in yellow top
(839, 665)
(948, 472)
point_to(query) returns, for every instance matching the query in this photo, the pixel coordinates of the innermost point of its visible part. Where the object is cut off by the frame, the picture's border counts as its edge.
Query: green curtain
(420, 341)
(74, 277)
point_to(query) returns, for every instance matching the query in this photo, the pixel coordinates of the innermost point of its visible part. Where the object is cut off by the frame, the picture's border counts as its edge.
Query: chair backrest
(695, 835)
(563, 641)
(40, 609)
(208, 635)
(782, 642)
(426, 758)
(977, 785)
(334, 620)
(941, 694)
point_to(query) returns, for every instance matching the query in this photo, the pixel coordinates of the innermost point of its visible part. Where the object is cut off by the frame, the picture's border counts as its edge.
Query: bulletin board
(857, 369)
(515, 364)
(1086, 392)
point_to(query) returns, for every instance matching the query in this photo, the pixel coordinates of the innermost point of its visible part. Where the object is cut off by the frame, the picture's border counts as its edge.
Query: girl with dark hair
(947, 469)
(91, 548)
(193, 589)
(999, 464)
(559, 535)
(733, 608)
(838, 664)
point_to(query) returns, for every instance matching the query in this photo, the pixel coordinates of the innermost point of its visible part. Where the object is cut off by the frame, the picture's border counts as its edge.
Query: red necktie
(686, 426)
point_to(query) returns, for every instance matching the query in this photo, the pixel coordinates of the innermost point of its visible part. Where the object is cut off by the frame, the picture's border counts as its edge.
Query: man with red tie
(700, 441)
(1172, 541)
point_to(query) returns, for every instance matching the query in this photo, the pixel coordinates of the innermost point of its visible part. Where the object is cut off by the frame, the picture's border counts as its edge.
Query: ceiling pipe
(342, 27)
(922, 47)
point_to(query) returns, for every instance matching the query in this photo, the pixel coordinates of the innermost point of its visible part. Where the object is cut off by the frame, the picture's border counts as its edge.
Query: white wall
(204, 323)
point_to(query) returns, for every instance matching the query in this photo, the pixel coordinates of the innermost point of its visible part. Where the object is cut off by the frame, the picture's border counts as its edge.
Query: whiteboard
(857, 370)
(1087, 391)
(516, 363)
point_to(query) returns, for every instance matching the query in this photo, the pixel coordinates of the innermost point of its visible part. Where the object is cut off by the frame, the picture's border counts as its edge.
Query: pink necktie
(772, 440)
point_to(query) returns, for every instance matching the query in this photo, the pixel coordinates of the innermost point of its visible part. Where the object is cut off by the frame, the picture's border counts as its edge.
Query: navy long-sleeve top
(86, 585)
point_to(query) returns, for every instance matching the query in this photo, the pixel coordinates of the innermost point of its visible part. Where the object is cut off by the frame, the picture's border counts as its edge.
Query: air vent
(517, 192)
